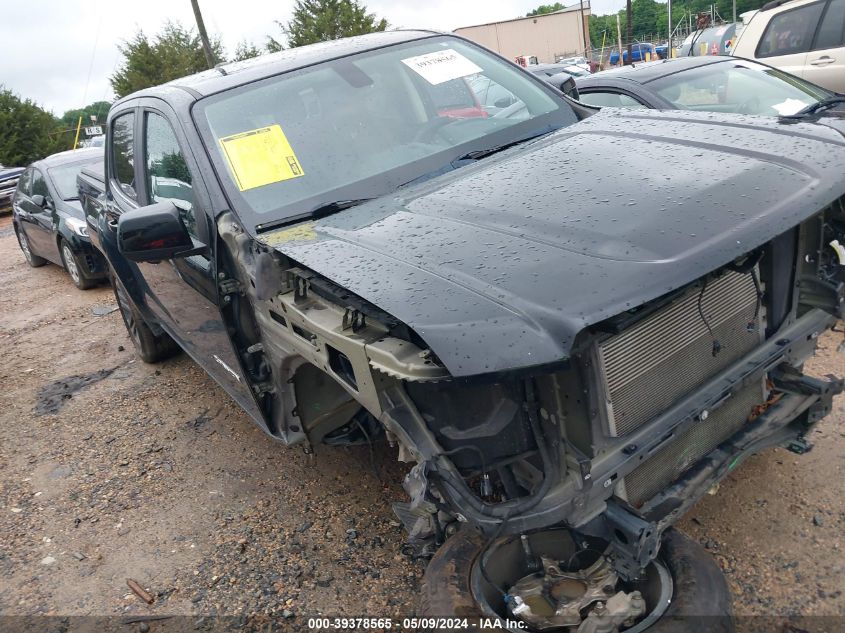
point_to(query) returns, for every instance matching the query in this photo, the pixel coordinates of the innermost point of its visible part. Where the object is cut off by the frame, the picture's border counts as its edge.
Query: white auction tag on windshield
(441, 66)
(789, 106)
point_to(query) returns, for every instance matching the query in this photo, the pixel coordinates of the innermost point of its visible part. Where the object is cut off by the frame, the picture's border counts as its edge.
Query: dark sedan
(706, 84)
(48, 218)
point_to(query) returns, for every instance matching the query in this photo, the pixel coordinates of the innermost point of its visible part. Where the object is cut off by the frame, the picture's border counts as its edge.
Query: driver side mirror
(154, 233)
(565, 83)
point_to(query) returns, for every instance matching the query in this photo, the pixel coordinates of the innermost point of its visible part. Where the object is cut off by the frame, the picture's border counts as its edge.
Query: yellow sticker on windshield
(261, 157)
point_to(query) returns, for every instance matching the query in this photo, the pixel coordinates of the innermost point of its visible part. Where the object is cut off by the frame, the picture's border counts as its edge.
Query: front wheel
(31, 258)
(151, 348)
(74, 268)
(683, 590)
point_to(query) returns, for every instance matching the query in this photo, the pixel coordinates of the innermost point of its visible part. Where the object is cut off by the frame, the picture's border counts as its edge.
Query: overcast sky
(48, 47)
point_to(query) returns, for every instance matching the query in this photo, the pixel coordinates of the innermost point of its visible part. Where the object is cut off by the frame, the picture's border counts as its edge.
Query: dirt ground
(113, 469)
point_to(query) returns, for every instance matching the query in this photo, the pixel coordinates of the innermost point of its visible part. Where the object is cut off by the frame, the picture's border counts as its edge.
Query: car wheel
(685, 592)
(31, 258)
(74, 268)
(151, 348)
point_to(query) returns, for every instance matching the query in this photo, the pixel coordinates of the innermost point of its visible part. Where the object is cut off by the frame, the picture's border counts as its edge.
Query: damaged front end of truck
(651, 408)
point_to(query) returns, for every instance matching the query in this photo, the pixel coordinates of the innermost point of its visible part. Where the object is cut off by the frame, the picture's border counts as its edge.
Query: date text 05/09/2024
(413, 624)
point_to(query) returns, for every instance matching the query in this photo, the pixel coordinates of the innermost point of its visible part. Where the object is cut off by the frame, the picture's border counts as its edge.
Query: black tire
(151, 348)
(74, 269)
(701, 601)
(31, 258)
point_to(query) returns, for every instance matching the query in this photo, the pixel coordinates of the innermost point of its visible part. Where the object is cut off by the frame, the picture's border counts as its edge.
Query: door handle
(822, 61)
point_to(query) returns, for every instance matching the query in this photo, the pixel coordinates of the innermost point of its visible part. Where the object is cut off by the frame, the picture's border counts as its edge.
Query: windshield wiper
(478, 154)
(824, 104)
(319, 211)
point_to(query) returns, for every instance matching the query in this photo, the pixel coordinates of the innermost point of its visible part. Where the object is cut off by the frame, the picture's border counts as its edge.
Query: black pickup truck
(573, 323)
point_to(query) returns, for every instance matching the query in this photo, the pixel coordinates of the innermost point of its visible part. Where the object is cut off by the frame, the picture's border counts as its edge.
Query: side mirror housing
(565, 83)
(154, 233)
(39, 200)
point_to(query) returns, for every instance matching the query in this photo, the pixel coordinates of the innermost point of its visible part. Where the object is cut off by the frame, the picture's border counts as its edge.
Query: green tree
(545, 8)
(70, 119)
(173, 53)
(246, 50)
(172, 165)
(98, 109)
(649, 18)
(27, 132)
(323, 20)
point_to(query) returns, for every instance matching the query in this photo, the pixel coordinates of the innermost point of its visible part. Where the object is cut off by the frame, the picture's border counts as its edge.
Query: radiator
(650, 366)
(682, 452)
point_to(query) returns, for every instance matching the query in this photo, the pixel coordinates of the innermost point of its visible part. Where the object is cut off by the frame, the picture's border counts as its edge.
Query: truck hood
(499, 265)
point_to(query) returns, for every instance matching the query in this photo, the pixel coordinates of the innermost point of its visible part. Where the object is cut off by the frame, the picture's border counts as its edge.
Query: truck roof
(232, 74)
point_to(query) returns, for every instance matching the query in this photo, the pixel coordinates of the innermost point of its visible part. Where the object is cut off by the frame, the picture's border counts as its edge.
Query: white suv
(802, 37)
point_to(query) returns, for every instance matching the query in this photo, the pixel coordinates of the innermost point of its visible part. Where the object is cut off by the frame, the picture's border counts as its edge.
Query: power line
(93, 56)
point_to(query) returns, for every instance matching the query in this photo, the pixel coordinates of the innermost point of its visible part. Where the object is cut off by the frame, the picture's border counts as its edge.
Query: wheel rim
(70, 263)
(127, 313)
(656, 585)
(24, 244)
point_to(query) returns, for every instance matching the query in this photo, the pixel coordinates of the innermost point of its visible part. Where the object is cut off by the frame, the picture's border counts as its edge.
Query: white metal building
(563, 33)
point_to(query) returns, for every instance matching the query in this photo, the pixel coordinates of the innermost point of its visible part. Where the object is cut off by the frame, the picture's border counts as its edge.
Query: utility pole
(619, 37)
(584, 30)
(734, 3)
(206, 46)
(669, 19)
(628, 12)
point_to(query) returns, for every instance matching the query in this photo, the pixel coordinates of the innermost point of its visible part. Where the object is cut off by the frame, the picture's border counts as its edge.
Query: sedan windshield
(64, 177)
(359, 127)
(738, 86)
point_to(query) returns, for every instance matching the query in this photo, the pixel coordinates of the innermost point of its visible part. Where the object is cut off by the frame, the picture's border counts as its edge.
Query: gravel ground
(113, 469)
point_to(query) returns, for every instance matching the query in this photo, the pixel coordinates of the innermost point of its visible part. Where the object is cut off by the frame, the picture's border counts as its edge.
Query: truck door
(178, 294)
(184, 290)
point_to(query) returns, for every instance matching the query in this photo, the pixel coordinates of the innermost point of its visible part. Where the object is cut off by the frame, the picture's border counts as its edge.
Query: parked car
(548, 70)
(805, 38)
(639, 52)
(8, 183)
(48, 218)
(581, 63)
(94, 141)
(707, 84)
(571, 360)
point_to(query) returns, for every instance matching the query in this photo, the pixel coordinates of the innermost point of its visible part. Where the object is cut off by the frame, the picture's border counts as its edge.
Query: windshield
(64, 177)
(361, 126)
(738, 86)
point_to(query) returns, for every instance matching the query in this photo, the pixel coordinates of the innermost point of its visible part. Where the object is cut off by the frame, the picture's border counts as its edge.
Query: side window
(123, 153)
(25, 182)
(832, 29)
(609, 100)
(39, 185)
(166, 172)
(791, 31)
